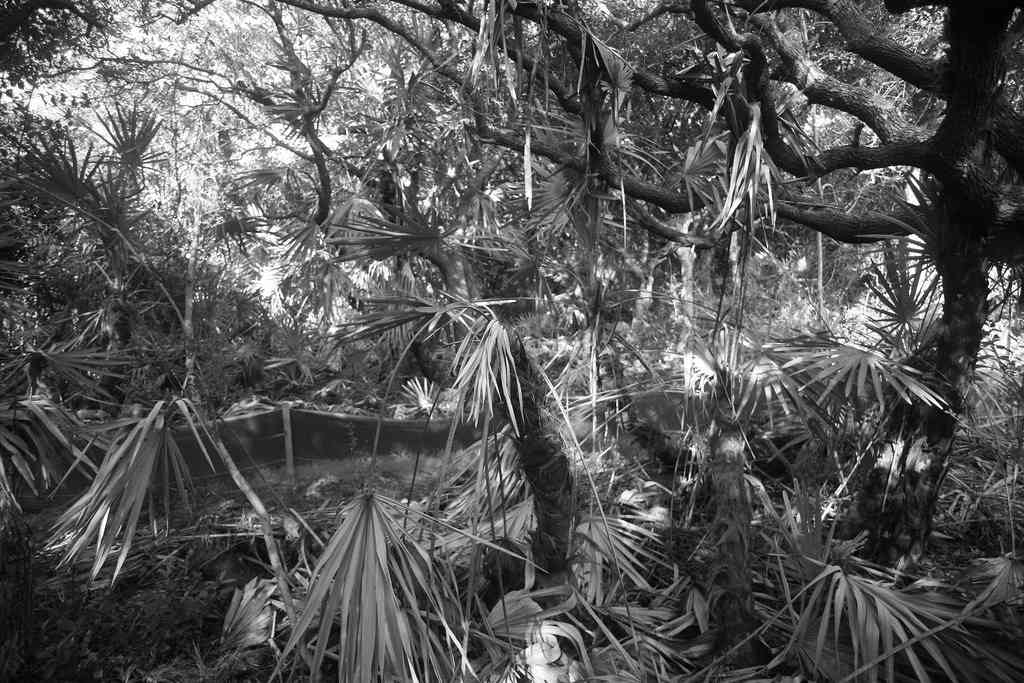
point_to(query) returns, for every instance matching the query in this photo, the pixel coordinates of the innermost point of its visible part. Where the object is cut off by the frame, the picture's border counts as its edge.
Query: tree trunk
(545, 466)
(897, 501)
(730, 576)
(118, 324)
(15, 586)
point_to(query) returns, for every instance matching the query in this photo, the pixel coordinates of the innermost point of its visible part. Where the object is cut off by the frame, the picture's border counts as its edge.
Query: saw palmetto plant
(846, 620)
(142, 468)
(379, 604)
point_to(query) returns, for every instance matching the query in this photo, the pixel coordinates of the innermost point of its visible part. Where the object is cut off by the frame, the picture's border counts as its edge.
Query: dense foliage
(729, 294)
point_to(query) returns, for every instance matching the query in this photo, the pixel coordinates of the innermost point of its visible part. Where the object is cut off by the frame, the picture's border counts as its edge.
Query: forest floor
(162, 621)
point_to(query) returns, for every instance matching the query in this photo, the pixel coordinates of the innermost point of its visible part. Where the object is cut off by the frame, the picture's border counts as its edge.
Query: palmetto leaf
(371, 237)
(612, 549)
(644, 641)
(702, 160)
(37, 440)
(12, 272)
(60, 175)
(557, 200)
(420, 392)
(392, 604)
(1001, 580)
(833, 372)
(908, 303)
(97, 190)
(142, 452)
(395, 312)
(247, 621)
(79, 367)
(852, 627)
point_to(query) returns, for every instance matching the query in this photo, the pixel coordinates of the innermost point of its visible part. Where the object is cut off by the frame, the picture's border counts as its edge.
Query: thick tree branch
(22, 14)
(782, 153)
(862, 228)
(917, 154)
(550, 18)
(665, 7)
(662, 229)
(863, 39)
(821, 88)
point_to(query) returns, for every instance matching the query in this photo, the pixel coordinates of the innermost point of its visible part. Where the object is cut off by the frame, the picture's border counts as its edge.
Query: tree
(579, 73)
(35, 34)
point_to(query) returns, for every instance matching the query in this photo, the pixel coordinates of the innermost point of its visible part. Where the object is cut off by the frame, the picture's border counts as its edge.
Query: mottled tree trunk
(545, 466)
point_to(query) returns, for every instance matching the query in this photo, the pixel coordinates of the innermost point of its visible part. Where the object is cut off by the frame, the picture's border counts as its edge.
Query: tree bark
(545, 466)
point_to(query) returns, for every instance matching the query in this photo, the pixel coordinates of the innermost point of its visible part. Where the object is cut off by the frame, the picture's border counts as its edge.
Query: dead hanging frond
(486, 371)
(749, 170)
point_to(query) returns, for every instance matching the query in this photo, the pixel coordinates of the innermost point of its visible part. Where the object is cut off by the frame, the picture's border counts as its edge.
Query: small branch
(658, 227)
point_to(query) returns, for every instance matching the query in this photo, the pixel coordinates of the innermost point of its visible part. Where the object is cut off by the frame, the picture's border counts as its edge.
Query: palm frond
(38, 439)
(130, 133)
(247, 621)
(611, 551)
(77, 367)
(394, 606)
(420, 392)
(141, 454)
(370, 237)
(486, 370)
(830, 372)
(1000, 579)
(851, 627)
(390, 313)
(908, 303)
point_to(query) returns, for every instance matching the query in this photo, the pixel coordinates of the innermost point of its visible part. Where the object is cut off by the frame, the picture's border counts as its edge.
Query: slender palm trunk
(119, 329)
(733, 605)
